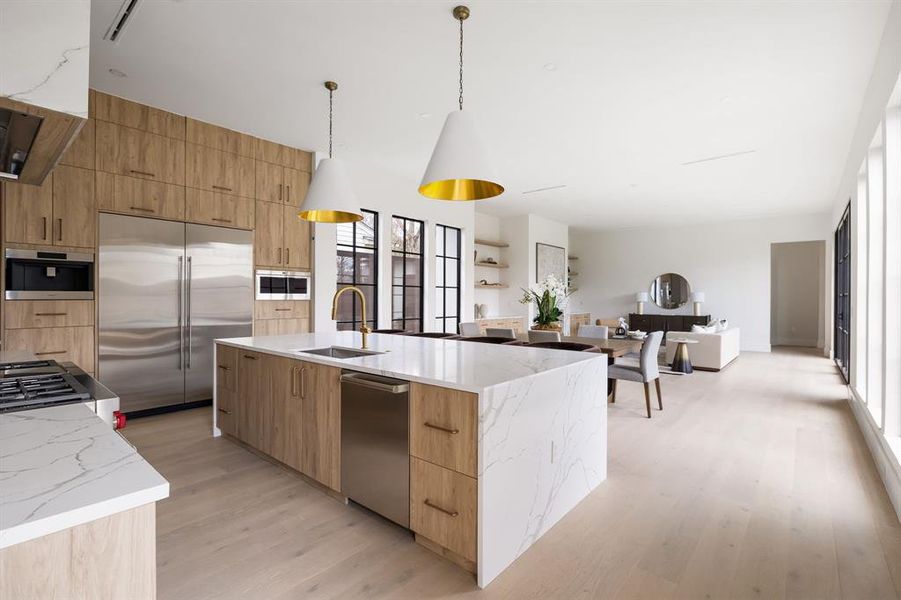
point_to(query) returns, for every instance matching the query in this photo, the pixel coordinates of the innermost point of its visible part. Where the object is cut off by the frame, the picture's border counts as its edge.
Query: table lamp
(697, 298)
(641, 298)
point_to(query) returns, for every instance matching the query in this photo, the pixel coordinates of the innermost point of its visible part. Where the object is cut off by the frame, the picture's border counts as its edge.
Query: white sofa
(712, 352)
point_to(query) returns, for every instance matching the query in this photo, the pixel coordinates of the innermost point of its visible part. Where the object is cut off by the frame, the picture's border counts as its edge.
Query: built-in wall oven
(282, 285)
(49, 275)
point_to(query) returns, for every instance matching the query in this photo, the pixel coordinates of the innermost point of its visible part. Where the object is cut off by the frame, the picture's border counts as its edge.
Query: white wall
(797, 292)
(389, 194)
(488, 227)
(44, 48)
(730, 262)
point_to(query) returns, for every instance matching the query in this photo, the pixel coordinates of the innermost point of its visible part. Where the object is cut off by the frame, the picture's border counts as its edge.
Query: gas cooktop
(38, 384)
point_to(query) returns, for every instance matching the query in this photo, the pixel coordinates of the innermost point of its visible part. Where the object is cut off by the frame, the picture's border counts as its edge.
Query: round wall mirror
(670, 290)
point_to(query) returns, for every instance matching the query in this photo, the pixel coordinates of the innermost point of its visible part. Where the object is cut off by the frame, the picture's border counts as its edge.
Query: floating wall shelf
(490, 286)
(492, 265)
(492, 243)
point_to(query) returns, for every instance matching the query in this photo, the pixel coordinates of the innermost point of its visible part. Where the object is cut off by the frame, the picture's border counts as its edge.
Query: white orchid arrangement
(550, 296)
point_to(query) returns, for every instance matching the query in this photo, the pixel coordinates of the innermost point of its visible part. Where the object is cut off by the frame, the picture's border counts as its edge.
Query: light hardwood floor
(752, 483)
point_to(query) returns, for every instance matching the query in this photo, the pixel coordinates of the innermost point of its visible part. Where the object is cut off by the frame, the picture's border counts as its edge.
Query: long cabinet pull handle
(50, 314)
(288, 194)
(279, 260)
(60, 238)
(222, 220)
(303, 382)
(450, 513)
(224, 368)
(222, 410)
(293, 381)
(53, 352)
(287, 255)
(280, 192)
(222, 187)
(440, 428)
(247, 356)
(44, 219)
(281, 309)
(142, 209)
(145, 173)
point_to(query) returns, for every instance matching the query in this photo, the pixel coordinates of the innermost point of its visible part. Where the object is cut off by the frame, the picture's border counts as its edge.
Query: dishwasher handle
(383, 384)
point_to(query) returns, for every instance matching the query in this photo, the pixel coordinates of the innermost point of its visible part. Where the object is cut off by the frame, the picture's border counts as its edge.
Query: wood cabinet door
(139, 116)
(26, 314)
(250, 410)
(286, 432)
(444, 507)
(74, 344)
(218, 171)
(444, 426)
(280, 326)
(320, 391)
(128, 195)
(74, 218)
(136, 153)
(269, 182)
(80, 152)
(268, 235)
(223, 210)
(29, 210)
(226, 388)
(297, 253)
(296, 185)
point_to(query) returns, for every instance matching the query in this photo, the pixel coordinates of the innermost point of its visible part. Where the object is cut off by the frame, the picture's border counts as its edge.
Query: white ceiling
(607, 98)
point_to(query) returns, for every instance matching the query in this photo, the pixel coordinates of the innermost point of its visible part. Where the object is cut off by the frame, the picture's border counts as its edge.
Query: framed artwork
(550, 260)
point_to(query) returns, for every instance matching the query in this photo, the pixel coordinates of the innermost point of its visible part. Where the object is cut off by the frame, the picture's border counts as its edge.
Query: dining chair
(646, 371)
(574, 346)
(538, 335)
(469, 328)
(500, 332)
(599, 332)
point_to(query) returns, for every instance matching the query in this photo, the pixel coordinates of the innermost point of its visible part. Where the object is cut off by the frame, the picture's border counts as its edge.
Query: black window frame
(401, 323)
(355, 322)
(441, 262)
(842, 299)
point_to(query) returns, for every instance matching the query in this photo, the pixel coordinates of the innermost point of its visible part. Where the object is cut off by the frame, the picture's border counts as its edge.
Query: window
(447, 278)
(358, 265)
(406, 273)
(843, 294)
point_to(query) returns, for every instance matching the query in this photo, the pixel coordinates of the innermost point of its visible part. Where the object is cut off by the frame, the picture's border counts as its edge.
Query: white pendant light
(331, 198)
(459, 168)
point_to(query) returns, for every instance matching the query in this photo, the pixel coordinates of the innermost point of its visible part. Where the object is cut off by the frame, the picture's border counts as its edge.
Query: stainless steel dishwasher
(375, 444)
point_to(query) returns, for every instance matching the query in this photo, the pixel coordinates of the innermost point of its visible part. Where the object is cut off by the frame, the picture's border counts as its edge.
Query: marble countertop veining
(63, 466)
(468, 366)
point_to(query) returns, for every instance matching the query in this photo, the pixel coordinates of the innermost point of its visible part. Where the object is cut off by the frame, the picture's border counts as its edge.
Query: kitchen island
(504, 440)
(77, 506)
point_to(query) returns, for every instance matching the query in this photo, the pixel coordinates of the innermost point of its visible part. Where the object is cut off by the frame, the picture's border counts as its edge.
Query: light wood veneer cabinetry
(74, 344)
(24, 314)
(282, 239)
(218, 171)
(517, 324)
(135, 153)
(140, 197)
(214, 208)
(226, 388)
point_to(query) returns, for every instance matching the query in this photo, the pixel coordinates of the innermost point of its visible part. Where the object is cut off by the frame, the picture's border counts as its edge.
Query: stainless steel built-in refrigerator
(166, 291)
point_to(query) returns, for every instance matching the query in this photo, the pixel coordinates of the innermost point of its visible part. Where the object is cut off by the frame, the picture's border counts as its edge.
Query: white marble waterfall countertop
(469, 366)
(63, 466)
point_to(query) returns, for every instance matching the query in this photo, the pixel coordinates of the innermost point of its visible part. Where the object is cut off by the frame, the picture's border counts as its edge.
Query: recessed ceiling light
(550, 67)
(117, 73)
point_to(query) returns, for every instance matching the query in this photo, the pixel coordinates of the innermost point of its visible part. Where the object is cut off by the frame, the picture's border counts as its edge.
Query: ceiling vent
(545, 189)
(123, 17)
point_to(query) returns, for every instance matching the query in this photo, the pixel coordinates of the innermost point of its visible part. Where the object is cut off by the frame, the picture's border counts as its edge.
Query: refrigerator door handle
(181, 337)
(188, 279)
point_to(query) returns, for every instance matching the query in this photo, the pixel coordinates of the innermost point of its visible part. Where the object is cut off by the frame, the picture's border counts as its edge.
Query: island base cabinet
(226, 388)
(443, 505)
(112, 557)
(320, 392)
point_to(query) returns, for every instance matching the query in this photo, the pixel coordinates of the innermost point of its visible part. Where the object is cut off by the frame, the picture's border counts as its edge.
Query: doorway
(797, 297)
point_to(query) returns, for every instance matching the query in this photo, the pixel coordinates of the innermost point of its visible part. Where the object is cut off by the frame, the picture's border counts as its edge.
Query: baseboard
(887, 463)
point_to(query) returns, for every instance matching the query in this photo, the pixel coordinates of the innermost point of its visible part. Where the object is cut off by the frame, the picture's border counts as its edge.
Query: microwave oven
(283, 285)
(49, 275)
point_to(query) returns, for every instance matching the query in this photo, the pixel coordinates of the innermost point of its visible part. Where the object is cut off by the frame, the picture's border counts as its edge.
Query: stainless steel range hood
(18, 131)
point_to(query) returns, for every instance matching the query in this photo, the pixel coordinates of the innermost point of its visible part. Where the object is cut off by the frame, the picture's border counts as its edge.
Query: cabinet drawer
(281, 326)
(25, 314)
(117, 193)
(443, 506)
(74, 344)
(443, 425)
(217, 171)
(281, 309)
(126, 151)
(223, 210)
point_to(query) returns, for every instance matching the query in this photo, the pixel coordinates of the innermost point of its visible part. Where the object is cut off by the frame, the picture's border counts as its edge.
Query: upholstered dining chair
(538, 335)
(572, 346)
(593, 331)
(500, 332)
(469, 328)
(488, 339)
(646, 371)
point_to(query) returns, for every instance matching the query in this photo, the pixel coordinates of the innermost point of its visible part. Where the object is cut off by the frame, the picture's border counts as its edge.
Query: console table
(666, 323)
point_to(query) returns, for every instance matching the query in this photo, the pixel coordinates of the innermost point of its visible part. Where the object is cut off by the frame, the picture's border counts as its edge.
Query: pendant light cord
(461, 64)
(330, 92)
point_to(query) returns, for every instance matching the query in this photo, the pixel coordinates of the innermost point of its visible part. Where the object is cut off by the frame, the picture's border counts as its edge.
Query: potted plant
(550, 297)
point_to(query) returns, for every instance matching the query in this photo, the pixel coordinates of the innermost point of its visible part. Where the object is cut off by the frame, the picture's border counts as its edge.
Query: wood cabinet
(281, 309)
(280, 326)
(517, 324)
(286, 429)
(252, 409)
(320, 393)
(443, 507)
(80, 152)
(104, 107)
(276, 183)
(60, 212)
(281, 238)
(222, 210)
(127, 151)
(297, 183)
(141, 197)
(226, 388)
(444, 427)
(74, 344)
(665, 323)
(26, 314)
(214, 170)
(219, 138)
(286, 156)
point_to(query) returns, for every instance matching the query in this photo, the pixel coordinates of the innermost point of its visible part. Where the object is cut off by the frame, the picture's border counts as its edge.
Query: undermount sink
(339, 352)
